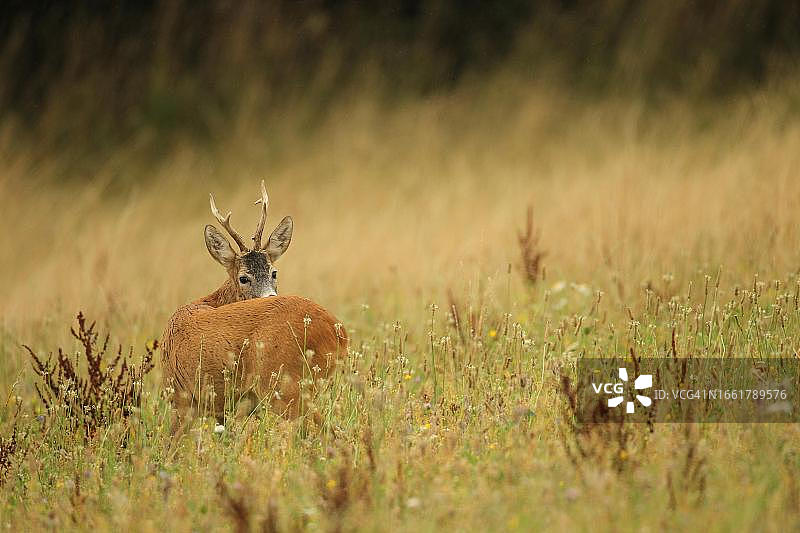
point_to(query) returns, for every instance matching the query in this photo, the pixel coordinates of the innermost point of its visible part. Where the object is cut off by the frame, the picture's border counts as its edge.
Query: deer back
(264, 345)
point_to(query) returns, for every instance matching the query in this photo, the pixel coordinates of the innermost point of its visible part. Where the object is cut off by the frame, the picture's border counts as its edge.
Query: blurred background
(89, 77)
(406, 138)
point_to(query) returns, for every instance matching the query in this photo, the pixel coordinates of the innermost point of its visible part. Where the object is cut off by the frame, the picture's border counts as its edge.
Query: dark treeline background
(99, 72)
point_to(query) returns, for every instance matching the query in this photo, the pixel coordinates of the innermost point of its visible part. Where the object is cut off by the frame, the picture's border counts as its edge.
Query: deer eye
(274, 274)
(244, 280)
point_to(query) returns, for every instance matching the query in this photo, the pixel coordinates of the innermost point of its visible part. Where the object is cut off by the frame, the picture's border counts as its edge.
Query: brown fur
(262, 343)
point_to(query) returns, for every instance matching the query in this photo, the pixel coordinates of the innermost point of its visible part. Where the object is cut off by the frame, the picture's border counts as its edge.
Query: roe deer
(263, 345)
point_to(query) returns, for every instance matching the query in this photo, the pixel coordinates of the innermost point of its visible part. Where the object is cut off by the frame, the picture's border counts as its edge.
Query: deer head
(251, 270)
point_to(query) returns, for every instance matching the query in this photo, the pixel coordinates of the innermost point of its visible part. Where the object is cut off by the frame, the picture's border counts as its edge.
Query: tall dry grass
(392, 206)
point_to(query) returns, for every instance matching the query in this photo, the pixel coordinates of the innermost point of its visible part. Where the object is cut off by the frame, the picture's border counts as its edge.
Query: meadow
(449, 411)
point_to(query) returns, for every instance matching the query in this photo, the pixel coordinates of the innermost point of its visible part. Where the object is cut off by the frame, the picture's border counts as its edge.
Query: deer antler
(226, 223)
(264, 201)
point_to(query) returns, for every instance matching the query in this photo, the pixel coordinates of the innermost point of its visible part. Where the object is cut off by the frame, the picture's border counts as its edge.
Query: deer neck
(226, 294)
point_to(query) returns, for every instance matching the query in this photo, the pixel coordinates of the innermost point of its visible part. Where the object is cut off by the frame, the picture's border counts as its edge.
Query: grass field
(448, 412)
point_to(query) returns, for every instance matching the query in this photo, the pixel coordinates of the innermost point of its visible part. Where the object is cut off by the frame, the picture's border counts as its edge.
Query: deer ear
(219, 247)
(279, 239)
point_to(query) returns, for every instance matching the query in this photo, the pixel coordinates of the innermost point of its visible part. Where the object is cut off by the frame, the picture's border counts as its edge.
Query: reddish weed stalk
(111, 389)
